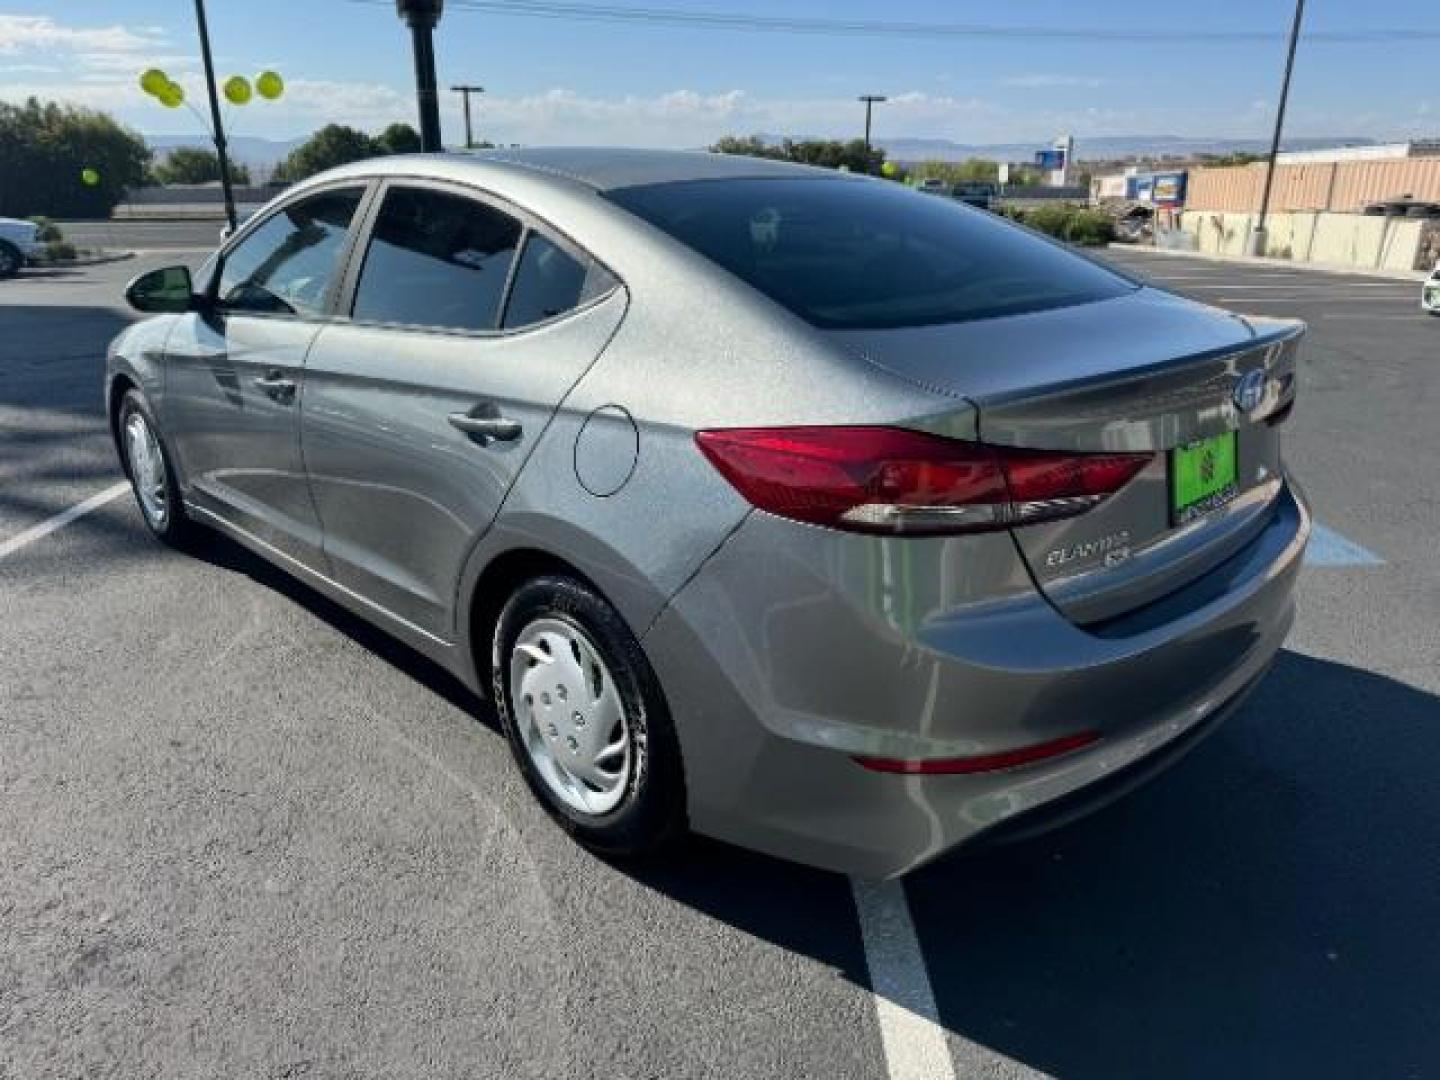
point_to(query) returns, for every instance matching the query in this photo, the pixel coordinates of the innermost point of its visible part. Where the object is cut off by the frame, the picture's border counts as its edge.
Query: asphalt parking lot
(245, 835)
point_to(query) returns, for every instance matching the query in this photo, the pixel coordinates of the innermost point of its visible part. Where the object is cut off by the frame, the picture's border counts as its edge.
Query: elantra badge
(1249, 392)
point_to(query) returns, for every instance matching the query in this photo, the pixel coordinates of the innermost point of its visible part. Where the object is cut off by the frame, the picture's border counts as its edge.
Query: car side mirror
(165, 290)
(225, 233)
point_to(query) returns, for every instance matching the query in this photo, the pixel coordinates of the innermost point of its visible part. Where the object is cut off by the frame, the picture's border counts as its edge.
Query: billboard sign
(1169, 189)
(1050, 160)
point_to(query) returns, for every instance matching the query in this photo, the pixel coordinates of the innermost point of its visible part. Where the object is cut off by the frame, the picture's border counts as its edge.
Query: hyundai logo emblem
(1249, 391)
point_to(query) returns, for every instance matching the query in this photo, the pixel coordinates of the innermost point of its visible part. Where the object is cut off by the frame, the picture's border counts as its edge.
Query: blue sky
(555, 81)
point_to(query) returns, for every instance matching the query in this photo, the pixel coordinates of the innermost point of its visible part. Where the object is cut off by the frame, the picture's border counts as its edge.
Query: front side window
(436, 260)
(287, 265)
(855, 254)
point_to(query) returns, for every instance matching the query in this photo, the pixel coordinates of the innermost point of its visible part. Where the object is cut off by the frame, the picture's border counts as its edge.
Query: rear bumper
(780, 668)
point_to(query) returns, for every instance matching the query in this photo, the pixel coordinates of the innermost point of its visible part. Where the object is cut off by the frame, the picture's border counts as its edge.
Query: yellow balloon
(89, 177)
(237, 90)
(172, 96)
(888, 169)
(154, 81)
(269, 85)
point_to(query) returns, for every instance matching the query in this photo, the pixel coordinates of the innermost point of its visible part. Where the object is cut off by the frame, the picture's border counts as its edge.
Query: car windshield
(849, 254)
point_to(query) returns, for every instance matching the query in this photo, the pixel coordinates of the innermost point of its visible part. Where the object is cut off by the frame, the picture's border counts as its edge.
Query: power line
(734, 21)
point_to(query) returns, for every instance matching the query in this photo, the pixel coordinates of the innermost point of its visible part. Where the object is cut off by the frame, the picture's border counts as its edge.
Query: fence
(1343, 186)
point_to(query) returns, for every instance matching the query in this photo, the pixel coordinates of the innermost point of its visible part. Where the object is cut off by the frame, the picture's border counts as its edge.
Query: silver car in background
(787, 506)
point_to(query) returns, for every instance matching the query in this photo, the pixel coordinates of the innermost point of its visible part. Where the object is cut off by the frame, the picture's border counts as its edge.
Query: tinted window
(287, 265)
(436, 260)
(851, 254)
(548, 282)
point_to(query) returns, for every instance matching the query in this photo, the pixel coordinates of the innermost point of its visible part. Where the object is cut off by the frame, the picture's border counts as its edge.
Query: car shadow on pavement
(222, 552)
(1267, 908)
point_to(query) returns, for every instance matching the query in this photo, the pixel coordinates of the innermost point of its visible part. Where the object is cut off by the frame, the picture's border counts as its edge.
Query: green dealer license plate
(1202, 477)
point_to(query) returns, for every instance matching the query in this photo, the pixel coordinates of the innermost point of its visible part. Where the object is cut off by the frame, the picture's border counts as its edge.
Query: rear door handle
(499, 428)
(276, 385)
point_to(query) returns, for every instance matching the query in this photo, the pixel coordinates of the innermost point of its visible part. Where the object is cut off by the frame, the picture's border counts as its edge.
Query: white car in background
(19, 244)
(1430, 292)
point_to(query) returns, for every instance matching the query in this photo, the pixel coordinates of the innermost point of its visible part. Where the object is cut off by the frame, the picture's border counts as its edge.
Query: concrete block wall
(1377, 243)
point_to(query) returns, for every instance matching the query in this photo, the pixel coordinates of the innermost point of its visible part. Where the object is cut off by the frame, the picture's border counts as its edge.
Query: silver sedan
(787, 506)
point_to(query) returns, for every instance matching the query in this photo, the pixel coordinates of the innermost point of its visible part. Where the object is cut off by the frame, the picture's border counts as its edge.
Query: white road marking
(59, 521)
(910, 1028)
(1297, 287)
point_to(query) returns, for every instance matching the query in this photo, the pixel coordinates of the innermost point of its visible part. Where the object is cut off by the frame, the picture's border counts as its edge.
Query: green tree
(827, 153)
(332, 145)
(336, 144)
(44, 149)
(748, 146)
(398, 139)
(969, 171)
(193, 165)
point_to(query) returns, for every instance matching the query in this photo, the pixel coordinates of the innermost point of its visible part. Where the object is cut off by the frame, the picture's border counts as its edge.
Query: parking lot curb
(1288, 264)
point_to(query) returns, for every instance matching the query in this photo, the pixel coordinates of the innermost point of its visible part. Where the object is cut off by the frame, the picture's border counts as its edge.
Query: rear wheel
(586, 719)
(151, 476)
(10, 260)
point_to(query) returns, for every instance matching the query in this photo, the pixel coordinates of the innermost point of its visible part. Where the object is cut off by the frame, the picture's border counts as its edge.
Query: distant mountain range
(261, 154)
(1103, 148)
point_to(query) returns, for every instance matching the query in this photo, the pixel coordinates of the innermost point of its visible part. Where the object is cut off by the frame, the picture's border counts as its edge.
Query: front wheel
(151, 476)
(586, 719)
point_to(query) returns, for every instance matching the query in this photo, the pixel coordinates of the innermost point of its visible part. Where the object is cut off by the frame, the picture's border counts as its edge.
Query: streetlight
(219, 128)
(870, 100)
(466, 91)
(1256, 243)
(422, 16)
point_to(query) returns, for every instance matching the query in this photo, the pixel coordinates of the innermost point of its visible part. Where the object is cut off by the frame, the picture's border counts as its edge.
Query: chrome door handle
(499, 428)
(276, 385)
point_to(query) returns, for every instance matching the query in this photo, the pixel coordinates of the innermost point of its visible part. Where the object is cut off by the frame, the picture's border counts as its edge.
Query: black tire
(11, 260)
(174, 528)
(651, 813)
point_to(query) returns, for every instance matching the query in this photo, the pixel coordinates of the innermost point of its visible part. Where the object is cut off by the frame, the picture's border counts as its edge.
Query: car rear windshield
(850, 254)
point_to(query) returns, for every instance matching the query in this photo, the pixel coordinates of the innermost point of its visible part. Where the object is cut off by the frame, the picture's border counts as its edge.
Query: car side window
(436, 260)
(287, 265)
(548, 282)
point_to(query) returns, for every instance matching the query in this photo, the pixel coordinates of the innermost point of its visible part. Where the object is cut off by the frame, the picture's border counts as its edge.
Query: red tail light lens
(891, 480)
(1007, 759)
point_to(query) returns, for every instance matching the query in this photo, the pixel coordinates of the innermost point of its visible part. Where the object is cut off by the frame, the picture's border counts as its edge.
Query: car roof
(606, 169)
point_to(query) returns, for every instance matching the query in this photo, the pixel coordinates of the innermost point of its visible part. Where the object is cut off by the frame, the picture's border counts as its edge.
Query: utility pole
(870, 100)
(466, 91)
(1256, 244)
(219, 127)
(422, 16)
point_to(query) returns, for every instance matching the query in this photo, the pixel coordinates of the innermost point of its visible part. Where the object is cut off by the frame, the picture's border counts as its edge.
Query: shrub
(1072, 224)
(60, 251)
(48, 229)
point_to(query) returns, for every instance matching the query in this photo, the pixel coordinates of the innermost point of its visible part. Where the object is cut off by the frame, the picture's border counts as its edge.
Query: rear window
(850, 255)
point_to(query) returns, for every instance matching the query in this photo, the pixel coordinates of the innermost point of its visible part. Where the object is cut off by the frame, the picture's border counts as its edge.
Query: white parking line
(910, 1028)
(59, 521)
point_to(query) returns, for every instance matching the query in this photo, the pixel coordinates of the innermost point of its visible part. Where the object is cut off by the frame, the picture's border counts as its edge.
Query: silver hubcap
(570, 716)
(147, 468)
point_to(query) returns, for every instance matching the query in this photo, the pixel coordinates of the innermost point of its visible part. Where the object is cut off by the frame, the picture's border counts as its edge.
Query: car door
(468, 325)
(234, 379)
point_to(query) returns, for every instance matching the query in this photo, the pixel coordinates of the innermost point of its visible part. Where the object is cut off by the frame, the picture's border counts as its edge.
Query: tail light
(895, 481)
(1006, 759)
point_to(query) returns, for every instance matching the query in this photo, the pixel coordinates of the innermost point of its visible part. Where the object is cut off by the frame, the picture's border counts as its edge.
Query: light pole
(219, 127)
(1256, 244)
(466, 91)
(422, 16)
(870, 101)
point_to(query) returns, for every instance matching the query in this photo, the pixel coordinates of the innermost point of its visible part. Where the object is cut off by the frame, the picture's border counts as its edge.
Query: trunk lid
(1147, 372)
